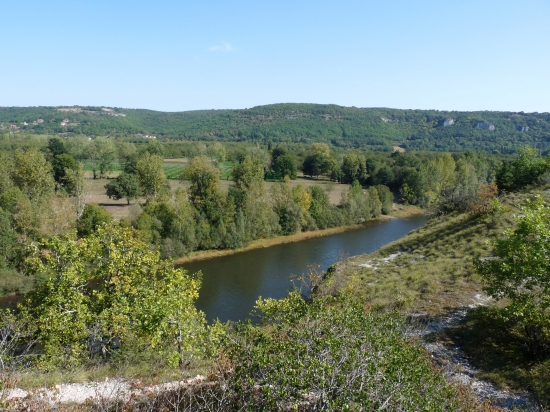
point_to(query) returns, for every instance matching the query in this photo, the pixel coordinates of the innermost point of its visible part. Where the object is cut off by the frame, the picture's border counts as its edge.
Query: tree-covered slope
(378, 128)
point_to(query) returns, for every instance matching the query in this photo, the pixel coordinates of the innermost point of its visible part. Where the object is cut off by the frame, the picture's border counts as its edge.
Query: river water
(232, 284)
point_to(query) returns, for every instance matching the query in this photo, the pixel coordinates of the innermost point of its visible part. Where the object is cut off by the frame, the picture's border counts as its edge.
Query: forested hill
(378, 128)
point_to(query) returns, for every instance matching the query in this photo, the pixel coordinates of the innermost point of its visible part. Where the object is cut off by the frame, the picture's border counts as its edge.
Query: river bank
(399, 211)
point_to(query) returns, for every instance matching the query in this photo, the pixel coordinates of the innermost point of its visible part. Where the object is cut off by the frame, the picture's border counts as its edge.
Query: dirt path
(456, 366)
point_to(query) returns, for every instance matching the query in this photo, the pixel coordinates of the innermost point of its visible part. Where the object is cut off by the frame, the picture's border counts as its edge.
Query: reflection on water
(231, 284)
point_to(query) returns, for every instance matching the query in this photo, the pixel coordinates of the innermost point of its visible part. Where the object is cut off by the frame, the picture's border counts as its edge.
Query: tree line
(350, 127)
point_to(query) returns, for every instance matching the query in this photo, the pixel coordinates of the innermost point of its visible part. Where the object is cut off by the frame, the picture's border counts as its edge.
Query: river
(231, 284)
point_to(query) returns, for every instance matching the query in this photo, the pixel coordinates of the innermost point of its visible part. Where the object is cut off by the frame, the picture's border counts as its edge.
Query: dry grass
(181, 160)
(120, 209)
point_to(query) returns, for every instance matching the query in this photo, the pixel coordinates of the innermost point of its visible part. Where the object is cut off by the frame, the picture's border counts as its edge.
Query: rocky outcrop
(485, 126)
(448, 122)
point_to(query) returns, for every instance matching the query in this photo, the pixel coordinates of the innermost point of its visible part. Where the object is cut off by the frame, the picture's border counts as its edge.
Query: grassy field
(431, 269)
(173, 169)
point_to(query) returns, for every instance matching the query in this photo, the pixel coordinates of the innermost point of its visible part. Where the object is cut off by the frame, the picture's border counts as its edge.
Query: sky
(192, 55)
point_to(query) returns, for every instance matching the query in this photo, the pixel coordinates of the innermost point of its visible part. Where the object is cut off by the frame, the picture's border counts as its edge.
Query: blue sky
(188, 55)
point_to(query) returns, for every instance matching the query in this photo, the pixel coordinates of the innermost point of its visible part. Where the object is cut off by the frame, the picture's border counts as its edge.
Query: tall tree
(249, 172)
(125, 186)
(56, 147)
(32, 173)
(92, 218)
(204, 192)
(216, 152)
(151, 177)
(102, 154)
(60, 163)
(354, 167)
(285, 165)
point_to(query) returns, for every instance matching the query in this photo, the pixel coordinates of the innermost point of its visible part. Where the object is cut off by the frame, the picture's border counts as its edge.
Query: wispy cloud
(222, 47)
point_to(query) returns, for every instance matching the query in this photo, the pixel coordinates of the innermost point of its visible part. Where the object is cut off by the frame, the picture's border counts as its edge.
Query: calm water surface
(231, 284)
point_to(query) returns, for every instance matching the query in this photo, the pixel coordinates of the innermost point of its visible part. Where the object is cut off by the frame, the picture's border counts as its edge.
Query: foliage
(520, 272)
(151, 177)
(375, 128)
(92, 218)
(354, 168)
(102, 153)
(125, 186)
(386, 198)
(56, 147)
(247, 173)
(60, 164)
(138, 296)
(204, 192)
(325, 357)
(499, 345)
(526, 170)
(319, 162)
(285, 165)
(32, 173)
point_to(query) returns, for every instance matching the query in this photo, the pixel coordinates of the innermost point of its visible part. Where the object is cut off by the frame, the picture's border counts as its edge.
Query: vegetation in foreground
(93, 307)
(450, 263)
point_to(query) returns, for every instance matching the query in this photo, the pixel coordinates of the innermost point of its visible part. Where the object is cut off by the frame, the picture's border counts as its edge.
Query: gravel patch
(110, 389)
(456, 366)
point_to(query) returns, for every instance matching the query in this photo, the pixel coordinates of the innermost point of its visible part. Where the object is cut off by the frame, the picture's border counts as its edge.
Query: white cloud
(222, 47)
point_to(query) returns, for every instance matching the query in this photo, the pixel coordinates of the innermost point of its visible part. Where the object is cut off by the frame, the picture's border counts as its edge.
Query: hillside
(430, 275)
(377, 128)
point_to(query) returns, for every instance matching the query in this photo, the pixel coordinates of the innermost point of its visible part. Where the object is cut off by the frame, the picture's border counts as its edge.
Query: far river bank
(401, 212)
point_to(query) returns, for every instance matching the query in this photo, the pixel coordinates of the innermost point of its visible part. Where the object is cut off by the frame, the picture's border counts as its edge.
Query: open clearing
(120, 208)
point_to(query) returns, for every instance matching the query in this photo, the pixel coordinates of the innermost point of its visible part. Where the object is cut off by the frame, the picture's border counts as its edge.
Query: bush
(321, 357)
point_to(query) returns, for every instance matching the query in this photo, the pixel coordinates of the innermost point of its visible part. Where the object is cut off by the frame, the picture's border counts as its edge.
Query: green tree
(92, 218)
(204, 192)
(316, 165)
(354, 168)
(386, 198)
(322, 149)
(142, 298)
(285, 165)
(125, 186)
(216, 152)
(75, 185)
(183, 227)
(526, 170)
(154, 147)
(32, 173)
(127, 156)
(520, 272)
(102, 154)
(320, 207)
(56, 147)
(248, 173)
(6, 172)
(151, 177)
(60, 163)
(8, 244)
